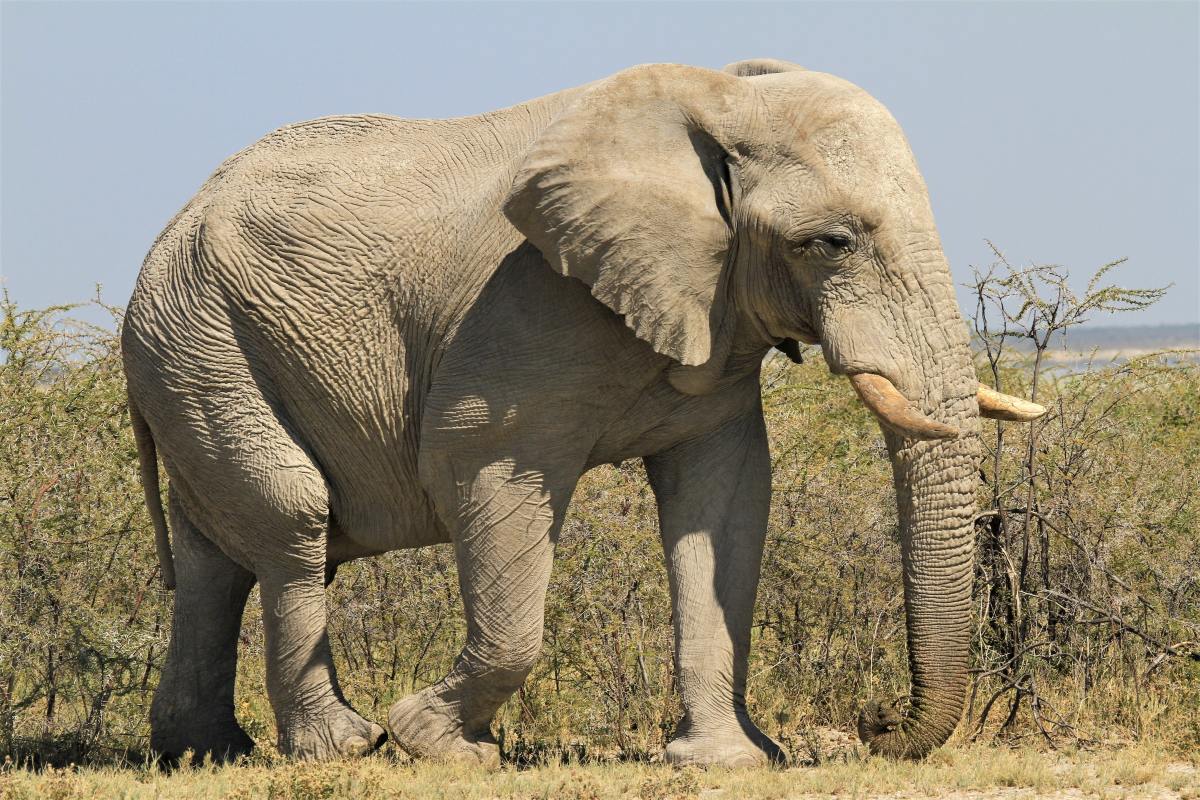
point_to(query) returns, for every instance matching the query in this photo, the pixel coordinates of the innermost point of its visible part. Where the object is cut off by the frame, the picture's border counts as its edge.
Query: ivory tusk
(996, 405)
(894, 410)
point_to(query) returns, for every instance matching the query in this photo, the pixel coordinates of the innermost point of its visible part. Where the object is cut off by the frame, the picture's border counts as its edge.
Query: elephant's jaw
(896, 413)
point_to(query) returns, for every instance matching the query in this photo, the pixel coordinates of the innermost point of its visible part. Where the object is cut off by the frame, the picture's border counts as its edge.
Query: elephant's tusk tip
(997, 405)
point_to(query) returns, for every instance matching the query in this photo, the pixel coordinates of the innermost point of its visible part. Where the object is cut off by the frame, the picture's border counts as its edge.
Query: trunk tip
(881, 727)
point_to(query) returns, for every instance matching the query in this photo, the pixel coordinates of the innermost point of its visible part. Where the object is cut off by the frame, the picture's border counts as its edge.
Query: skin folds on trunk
(935, 496)
(933, 470)
(932, 439)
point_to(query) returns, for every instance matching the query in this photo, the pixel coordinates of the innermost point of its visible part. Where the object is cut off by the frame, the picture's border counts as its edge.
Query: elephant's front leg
(713, 498)
(504, 525)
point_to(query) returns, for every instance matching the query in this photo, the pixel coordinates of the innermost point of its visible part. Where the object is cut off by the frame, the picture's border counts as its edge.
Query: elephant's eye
(834, 246)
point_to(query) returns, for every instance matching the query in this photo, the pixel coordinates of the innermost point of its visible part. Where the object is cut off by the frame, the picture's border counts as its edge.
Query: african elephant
(367, 333)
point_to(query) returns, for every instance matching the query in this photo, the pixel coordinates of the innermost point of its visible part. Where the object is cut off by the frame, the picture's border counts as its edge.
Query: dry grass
(985, 772)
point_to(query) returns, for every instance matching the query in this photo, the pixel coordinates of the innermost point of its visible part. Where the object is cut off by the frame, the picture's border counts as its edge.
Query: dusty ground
(955, 773)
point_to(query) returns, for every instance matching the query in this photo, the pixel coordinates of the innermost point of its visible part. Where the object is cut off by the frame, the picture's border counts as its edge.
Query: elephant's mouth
(896, 413)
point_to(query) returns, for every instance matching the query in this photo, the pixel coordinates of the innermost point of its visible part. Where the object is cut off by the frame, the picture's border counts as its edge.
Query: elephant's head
(723, 212)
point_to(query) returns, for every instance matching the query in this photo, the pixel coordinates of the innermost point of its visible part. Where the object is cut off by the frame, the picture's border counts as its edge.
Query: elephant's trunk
(935, 479)
(936, 500)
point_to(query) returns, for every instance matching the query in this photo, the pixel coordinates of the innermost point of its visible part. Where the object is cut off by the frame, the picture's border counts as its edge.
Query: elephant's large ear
(628, 192)
(760, 66)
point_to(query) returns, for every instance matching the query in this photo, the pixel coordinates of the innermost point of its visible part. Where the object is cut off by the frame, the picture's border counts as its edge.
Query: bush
(84, 622)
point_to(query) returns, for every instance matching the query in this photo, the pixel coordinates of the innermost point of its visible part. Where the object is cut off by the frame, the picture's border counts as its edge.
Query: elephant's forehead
(819, 98)
(844, 135)
(853, 149)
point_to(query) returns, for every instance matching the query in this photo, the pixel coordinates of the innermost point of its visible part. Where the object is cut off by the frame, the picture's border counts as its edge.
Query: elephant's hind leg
(267, 506)
(314, 720)
(504, 527)
(193, 705)
(288, 524)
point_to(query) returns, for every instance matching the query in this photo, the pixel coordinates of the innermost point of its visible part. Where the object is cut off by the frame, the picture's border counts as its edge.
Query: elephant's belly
(367, 452)
(352, 402)
(366, 523)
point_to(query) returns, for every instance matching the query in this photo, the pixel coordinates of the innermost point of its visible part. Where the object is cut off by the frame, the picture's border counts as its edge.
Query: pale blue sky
(1064, 132)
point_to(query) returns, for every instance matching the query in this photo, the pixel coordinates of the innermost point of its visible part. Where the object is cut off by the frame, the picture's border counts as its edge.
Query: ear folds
(626, 191)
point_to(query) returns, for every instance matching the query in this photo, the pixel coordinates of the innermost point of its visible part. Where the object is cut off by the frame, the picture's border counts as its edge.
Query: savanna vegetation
(1087, 635)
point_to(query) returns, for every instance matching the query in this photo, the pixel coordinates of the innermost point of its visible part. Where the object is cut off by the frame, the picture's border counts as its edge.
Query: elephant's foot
(425, 727)
(223, 741)
(337, 733)
(738, 744)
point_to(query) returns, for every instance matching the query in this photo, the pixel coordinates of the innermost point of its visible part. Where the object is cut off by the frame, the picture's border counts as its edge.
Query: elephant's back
(351, 212)
(273, 282)
(339, 244)
(329, 260)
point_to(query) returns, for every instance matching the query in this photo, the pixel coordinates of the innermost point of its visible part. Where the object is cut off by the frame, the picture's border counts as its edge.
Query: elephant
(367, 333)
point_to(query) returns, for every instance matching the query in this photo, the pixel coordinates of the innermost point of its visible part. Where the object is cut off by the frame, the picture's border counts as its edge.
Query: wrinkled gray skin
(368, 333)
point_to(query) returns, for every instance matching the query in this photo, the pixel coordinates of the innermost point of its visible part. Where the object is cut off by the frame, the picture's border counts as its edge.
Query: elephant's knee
(511, 672)
(513, 664)
(505, 664)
